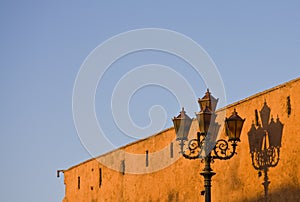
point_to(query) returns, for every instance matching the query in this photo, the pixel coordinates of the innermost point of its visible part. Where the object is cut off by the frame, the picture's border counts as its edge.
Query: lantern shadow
(264, 142)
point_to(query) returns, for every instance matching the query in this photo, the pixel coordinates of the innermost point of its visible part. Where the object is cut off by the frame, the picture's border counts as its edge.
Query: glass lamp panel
(230, 130)
(182, 124)
(203, 103)
(204, 120)
(234, 125)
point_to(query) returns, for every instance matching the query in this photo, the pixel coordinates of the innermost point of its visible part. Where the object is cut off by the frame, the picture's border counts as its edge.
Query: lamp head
(182, 124)
(234, 125)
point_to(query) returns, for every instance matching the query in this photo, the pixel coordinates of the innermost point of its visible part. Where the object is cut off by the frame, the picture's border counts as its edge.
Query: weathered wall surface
(129, 174)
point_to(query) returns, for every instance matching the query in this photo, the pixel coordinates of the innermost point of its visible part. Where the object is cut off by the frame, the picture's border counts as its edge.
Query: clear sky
(255, 45)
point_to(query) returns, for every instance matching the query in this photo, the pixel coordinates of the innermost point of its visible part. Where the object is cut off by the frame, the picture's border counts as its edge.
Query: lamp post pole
(207, 173)
(205, 146)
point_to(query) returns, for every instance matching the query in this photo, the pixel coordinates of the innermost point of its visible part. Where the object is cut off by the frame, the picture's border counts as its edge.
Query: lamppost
(205, 146)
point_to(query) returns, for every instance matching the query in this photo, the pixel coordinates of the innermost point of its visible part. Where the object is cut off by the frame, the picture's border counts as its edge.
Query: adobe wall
(127, 174)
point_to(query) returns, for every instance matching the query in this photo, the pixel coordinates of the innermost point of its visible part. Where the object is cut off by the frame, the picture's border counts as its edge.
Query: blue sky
(255, 46)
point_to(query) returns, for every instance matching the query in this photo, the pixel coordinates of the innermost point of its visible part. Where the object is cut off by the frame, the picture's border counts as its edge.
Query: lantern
(204, 119)
(208, 101)
(182, 124)
(234, 125)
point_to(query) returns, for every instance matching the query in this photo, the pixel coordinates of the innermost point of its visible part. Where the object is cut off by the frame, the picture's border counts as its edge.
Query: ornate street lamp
(205, 146)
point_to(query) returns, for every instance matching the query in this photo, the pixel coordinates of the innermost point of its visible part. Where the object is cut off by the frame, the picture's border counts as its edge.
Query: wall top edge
(171, 128)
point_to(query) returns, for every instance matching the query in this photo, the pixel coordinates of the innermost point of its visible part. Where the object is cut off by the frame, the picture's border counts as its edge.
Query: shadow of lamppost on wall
(265, 142)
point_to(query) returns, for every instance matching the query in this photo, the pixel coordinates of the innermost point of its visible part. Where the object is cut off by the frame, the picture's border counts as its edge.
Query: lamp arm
(223, 150)
(193, 150)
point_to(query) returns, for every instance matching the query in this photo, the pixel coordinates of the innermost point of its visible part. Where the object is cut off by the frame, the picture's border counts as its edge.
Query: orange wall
(174, 178)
